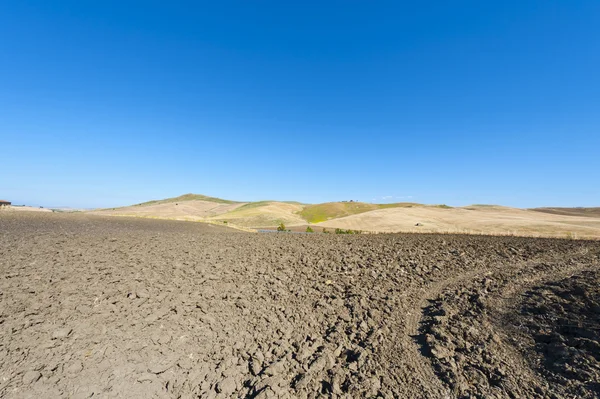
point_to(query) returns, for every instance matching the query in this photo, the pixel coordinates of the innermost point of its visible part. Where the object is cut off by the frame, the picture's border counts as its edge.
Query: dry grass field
(190, 209)
(381, 218)
(474, 219)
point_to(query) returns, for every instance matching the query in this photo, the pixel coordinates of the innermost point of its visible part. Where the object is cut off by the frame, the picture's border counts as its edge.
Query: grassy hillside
(333, 210)
(188, 197)
(589, 212)
(260, 204)
(263, 214)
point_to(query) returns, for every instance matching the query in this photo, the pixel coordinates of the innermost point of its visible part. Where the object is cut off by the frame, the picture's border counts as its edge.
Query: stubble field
(95, 306)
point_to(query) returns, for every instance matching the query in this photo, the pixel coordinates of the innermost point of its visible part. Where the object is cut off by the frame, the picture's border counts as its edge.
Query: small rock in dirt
(75, 368)
(31, 376)
(302, 381)
(226, 386)
(319, 364)
(265, 383)
(185, 363)
(160, 367)
(255, 366)
(61, 333)
(363, 326)
(440, 352)
(48, 345)
(275, 368)
(266, 393)
(146, 377)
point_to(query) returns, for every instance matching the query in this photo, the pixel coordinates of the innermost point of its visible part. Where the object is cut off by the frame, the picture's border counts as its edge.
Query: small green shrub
(281, 227)
(309, 229)
(342, 231)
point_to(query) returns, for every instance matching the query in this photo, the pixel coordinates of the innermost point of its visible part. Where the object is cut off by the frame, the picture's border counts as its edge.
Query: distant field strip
(333, 210)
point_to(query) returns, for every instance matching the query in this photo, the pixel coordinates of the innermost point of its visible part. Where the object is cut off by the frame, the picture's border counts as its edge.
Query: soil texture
(95, 306)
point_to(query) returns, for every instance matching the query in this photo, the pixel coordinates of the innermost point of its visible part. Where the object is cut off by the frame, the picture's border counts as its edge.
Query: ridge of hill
(198, 207)
(195, 207)
(575, 211)
(394, 217)
(188, 197)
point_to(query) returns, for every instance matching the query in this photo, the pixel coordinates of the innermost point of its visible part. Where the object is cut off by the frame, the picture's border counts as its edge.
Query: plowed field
(94, 306)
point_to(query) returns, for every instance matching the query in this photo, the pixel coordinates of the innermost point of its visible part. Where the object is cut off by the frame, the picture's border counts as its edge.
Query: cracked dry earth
(119, 307)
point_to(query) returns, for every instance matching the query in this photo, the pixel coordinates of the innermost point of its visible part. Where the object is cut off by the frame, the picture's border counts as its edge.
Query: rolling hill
(188, 197)
(588, 212)
(263, 214)
(185, 207)
(333, 210)
(395, 217)
(471, 219)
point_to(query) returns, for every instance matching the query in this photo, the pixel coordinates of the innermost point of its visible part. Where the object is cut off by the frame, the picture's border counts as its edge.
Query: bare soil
(95, 306)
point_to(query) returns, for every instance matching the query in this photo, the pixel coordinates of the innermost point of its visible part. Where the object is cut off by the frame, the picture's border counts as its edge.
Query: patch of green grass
(333, 210)
(253, 205)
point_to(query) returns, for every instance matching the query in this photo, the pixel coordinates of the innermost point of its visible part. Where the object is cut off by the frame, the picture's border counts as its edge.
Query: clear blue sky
(106, 103)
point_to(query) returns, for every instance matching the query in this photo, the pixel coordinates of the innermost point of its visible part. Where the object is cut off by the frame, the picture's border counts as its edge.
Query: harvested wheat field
(94, 306)
(495, 220)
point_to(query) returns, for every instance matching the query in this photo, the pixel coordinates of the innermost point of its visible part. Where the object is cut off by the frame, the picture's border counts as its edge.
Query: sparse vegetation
(263, 214)
(309, 229)
(253, 205)
(342, 231)
(281, 227)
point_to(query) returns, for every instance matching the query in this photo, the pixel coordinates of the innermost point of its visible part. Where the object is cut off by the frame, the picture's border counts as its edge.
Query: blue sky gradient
(117, 102)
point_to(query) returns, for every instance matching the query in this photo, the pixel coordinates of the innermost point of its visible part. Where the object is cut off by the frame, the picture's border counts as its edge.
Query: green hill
(333, 210)
(263, 214)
